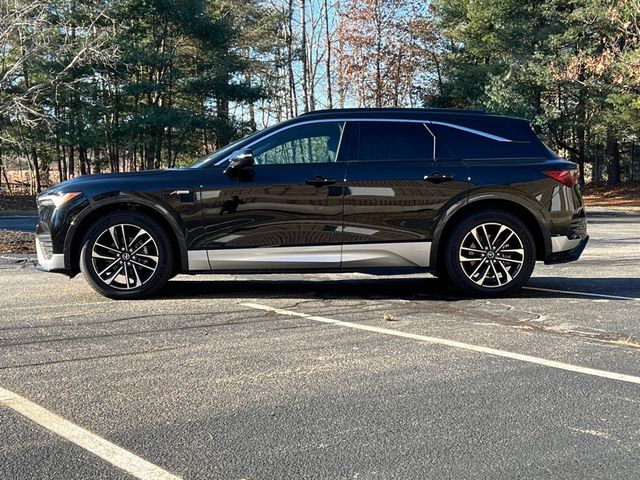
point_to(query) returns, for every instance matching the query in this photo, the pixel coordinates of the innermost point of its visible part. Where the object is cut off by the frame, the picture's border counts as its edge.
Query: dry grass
(21, 203)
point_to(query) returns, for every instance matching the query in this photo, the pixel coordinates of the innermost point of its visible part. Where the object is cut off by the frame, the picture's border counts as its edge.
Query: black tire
(476, 263)
(140, 270)
(441, 273)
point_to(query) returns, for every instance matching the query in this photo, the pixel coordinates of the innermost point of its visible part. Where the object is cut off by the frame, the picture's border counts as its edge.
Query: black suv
(473, 198)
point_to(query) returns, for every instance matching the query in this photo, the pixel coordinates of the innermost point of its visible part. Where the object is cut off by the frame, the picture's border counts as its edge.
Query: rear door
(396, 188)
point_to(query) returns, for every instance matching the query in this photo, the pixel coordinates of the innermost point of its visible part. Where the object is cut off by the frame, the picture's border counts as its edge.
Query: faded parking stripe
(455, 344)
(112, 453)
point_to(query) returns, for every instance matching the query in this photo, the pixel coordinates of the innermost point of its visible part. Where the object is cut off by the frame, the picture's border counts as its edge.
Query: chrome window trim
(344, 127)
(434, 141)
(480, 133)
(287, 127)
(394, 120)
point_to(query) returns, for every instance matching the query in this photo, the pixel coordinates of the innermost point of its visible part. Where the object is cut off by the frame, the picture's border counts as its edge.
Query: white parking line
(115, 455)
(582, 294)
(455, 344)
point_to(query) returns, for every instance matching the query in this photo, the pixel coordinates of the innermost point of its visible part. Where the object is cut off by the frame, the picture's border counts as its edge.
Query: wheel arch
(83, 221)
(532, 218)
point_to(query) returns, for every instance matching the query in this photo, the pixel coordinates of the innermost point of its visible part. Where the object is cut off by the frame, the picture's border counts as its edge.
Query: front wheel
(125, 255)
(490, 253)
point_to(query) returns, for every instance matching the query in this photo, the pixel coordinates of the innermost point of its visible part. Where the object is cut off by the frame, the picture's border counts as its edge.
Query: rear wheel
(489, 254)
(125, 255)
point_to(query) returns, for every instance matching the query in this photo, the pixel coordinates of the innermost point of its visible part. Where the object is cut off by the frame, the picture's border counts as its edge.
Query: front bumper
(47, 260)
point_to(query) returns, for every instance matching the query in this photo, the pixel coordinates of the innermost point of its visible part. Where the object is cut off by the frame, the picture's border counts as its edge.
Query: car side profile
(475, 199)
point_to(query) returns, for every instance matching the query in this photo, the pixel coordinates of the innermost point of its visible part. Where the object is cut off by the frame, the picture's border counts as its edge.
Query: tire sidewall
(452, 265)
(165, 261)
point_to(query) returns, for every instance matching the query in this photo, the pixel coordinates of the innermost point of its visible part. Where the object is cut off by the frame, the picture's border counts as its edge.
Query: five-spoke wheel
(126, 255)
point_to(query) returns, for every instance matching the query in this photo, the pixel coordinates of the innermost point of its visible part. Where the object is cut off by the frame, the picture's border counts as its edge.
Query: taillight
(566, 177)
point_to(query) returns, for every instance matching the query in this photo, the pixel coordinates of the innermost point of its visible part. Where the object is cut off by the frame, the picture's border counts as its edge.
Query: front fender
(172, 219)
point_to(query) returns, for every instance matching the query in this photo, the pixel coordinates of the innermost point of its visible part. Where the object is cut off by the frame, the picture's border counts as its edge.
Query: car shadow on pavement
(628, 287)
(417, 289)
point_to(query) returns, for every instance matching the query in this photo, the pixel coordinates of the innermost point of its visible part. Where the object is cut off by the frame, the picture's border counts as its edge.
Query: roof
(417, 113)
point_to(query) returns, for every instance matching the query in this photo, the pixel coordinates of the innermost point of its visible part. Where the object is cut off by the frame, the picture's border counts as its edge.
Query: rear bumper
(566, 250)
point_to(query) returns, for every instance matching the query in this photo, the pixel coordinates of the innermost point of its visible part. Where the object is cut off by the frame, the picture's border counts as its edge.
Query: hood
(100, 177)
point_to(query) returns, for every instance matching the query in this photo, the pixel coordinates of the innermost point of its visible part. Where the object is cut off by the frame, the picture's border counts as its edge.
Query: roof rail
(394, 110)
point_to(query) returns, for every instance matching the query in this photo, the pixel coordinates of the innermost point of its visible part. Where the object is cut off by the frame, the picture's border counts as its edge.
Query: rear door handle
(319, 181)
(437, 177)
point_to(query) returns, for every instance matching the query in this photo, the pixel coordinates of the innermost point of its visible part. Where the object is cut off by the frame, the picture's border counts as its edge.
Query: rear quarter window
(455, 143)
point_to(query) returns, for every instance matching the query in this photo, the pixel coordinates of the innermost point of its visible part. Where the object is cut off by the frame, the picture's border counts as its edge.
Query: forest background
(90, 86)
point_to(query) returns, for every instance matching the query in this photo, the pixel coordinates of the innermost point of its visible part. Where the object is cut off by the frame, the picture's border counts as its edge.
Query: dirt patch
(603, 195)
(17, 242)
(17, 203)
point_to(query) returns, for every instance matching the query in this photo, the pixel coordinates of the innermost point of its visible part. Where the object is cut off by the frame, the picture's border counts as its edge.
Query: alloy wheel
(491, 255)
(125, 256)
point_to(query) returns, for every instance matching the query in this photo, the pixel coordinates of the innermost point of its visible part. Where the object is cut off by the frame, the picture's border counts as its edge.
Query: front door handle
(319, 181)
(437, 177)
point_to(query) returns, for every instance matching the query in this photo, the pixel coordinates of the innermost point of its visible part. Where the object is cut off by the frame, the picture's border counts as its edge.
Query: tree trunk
(378, 80)
(72, 161)
(328, 60)
(35, 163)
(82, 153)
(158, 149)
(59, 155)
(580, 132)
(252, 118)
(303, 53)
(293, 95)
(613, 159)
(4, 174)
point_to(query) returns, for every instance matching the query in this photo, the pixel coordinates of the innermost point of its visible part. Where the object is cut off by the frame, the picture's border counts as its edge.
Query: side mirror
(238, 168)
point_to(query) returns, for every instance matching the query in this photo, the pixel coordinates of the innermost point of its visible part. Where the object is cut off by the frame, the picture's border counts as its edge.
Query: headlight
(57, 199)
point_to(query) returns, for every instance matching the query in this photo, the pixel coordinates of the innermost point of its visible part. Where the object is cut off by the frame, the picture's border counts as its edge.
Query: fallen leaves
(17, 242)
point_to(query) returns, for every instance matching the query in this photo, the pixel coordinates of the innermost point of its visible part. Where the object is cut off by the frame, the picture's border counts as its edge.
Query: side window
(309, 143)
(453, 142)
(389, 141)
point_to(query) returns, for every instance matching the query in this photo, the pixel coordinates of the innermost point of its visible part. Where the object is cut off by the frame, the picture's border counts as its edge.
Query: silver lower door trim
(329, 257)
(380, 255)
(274, 258)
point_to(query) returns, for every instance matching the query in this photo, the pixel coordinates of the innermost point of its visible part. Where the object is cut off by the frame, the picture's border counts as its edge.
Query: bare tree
(382, 49)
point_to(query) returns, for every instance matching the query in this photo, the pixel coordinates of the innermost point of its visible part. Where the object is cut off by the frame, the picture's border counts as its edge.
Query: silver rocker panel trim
(380, 255)
(348, 256)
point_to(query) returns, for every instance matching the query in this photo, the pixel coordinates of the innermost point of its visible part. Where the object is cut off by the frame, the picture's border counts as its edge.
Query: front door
(396, 188)
(289, 216)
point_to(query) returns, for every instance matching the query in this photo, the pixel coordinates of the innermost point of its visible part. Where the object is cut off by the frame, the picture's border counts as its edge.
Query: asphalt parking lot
(302, 377)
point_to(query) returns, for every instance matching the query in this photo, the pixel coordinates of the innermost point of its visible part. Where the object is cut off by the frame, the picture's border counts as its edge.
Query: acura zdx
(475, 199)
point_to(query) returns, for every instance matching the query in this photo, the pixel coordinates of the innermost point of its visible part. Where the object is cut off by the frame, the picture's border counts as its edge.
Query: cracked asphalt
(204, 386)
